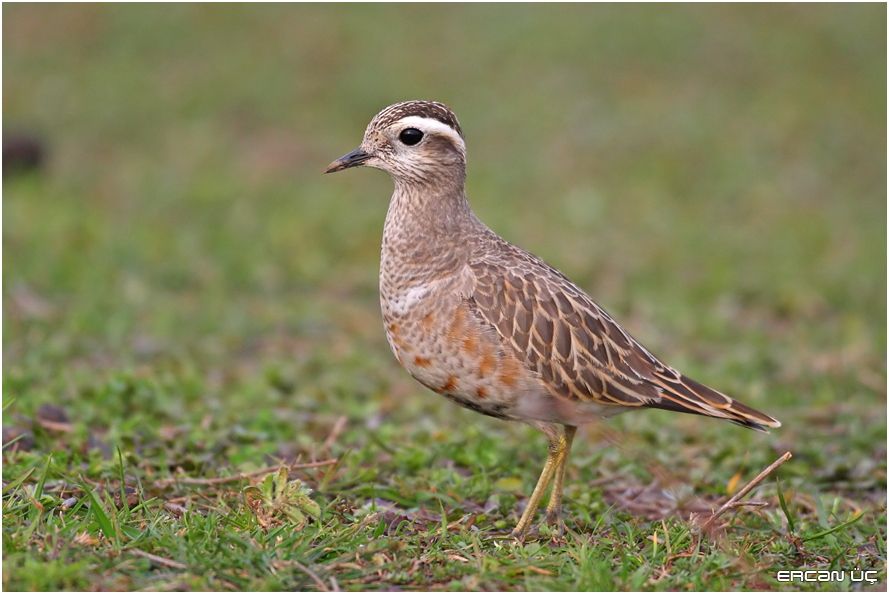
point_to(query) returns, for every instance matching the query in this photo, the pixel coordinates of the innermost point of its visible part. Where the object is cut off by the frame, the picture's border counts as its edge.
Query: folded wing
(578, 350)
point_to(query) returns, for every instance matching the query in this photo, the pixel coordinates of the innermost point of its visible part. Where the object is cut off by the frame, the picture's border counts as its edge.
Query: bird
(494, 328)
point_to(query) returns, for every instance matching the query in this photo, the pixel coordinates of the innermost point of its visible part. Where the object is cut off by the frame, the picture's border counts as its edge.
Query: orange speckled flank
(509, 372)
(486, 364)
(398, 342)
(449, 386)
(458, 325)
(470, 346)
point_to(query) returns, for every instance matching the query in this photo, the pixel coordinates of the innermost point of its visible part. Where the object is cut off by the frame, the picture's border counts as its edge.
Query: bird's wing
(577, 349)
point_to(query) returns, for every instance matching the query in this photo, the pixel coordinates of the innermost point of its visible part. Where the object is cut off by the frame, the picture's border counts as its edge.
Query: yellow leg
(554, 508)
(558, 446)
(534, 501)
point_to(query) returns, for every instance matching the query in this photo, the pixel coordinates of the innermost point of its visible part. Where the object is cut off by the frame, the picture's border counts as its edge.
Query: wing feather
(577, 349)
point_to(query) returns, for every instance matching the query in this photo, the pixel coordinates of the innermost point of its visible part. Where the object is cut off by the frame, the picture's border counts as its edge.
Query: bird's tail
(685, 395)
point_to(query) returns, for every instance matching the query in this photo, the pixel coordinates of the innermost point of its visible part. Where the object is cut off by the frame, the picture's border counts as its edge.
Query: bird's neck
(432, 206)
(426, 227)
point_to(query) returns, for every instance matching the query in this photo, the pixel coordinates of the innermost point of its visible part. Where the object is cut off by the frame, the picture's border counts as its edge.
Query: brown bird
(492, 327)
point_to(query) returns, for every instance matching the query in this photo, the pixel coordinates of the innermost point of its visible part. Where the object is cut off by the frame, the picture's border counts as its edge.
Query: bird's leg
(534, 501)
(558, 445)
(554, 507)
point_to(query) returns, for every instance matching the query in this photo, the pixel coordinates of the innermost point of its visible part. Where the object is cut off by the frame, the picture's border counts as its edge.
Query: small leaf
(296, 517)
(824, 533)
(790, 523)
(253, 496)
(277, 501)
(123, 484)
(38, 492)
(99, 512)
(281, 481)
(268, 489)
(732, 485)
(15, 484)
(509, 483)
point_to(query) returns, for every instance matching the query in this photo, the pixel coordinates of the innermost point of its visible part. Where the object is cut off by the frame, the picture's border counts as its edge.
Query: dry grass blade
(56, 426)
(733, 502)
(322, 587)
(241, 475)
(158, 559)
(335, 432)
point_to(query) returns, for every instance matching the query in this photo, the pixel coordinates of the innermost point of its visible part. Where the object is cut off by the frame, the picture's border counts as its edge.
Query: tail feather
(689, 396)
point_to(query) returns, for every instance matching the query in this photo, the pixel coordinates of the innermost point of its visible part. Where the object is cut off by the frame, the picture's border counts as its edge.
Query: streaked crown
(423, 109)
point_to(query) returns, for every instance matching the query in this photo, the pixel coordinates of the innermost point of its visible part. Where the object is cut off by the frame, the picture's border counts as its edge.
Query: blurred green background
(714, 176)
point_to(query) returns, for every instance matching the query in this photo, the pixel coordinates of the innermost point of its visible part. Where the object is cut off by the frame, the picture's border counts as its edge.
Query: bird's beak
(353, 159)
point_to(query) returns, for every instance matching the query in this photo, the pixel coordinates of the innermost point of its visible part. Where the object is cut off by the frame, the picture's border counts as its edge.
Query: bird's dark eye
(410, 136)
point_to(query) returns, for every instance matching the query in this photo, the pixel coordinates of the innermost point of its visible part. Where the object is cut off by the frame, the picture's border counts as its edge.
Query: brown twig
(748, 504)
(58, 426)
(734, 501)
(158, 559)
(185, 480)
(335, 431)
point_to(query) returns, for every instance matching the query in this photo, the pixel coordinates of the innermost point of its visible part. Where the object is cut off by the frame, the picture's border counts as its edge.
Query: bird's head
(415, 142)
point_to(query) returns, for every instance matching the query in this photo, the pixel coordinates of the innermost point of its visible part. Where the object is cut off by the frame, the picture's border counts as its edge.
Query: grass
(185, 296)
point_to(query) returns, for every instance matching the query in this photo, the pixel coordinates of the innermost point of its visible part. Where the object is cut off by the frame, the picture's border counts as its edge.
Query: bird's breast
(438, 340)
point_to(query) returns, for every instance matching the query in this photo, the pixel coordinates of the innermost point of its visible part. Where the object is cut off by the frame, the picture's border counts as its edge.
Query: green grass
(184, 295)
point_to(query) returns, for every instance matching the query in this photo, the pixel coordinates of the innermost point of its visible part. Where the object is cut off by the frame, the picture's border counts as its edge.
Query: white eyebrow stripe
(433, 125)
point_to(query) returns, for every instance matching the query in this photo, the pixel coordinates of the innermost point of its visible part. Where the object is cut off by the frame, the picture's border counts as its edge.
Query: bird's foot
(530, 533)
(554, 523)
